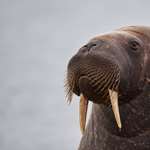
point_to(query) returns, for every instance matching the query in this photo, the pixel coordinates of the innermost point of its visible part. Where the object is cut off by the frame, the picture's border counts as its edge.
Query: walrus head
(109, 70)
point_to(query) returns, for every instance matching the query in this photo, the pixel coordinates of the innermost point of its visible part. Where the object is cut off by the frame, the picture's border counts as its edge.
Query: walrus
(113, 71)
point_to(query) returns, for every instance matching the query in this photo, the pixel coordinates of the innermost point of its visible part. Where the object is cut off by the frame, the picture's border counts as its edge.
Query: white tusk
(114, 103)
(82, 112)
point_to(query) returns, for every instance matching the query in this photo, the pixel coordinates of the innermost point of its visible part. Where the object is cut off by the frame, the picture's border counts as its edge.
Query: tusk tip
(115, 107)
(82, 132)
(120, 126)
(82, 112)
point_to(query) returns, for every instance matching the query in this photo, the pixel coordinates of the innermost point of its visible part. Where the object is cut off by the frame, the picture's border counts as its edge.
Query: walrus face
(102, 71)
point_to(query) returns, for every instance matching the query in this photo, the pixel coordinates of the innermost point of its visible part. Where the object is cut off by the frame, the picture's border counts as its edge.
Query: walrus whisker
(112, 82)
(108, 98)
(116, 84)
(103, 84)
(107, 81)
(93, 71)
(117, 79)
(100, 81)
(90, 71)
(93, 78)
(106, 92)
(69, 85)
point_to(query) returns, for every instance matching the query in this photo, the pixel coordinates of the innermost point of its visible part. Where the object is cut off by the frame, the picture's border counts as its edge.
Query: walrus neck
(102, 128)
(135, 117)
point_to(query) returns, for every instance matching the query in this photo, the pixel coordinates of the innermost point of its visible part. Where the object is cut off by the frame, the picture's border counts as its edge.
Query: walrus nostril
(92, 46)
(89, 46)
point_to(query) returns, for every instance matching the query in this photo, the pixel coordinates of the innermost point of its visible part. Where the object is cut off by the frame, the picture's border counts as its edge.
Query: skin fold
(116, 61)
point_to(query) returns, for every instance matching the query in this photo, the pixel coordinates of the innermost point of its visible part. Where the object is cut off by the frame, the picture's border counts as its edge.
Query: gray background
(37, 39)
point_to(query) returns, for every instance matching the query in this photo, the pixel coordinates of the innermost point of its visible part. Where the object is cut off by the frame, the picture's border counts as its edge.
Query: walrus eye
(134, 45)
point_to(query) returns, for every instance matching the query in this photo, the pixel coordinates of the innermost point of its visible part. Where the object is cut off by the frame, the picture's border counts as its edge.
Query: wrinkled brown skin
(102, 132)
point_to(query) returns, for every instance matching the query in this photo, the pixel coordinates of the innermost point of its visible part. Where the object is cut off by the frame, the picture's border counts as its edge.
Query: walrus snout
(96, 77)
(102, 69)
